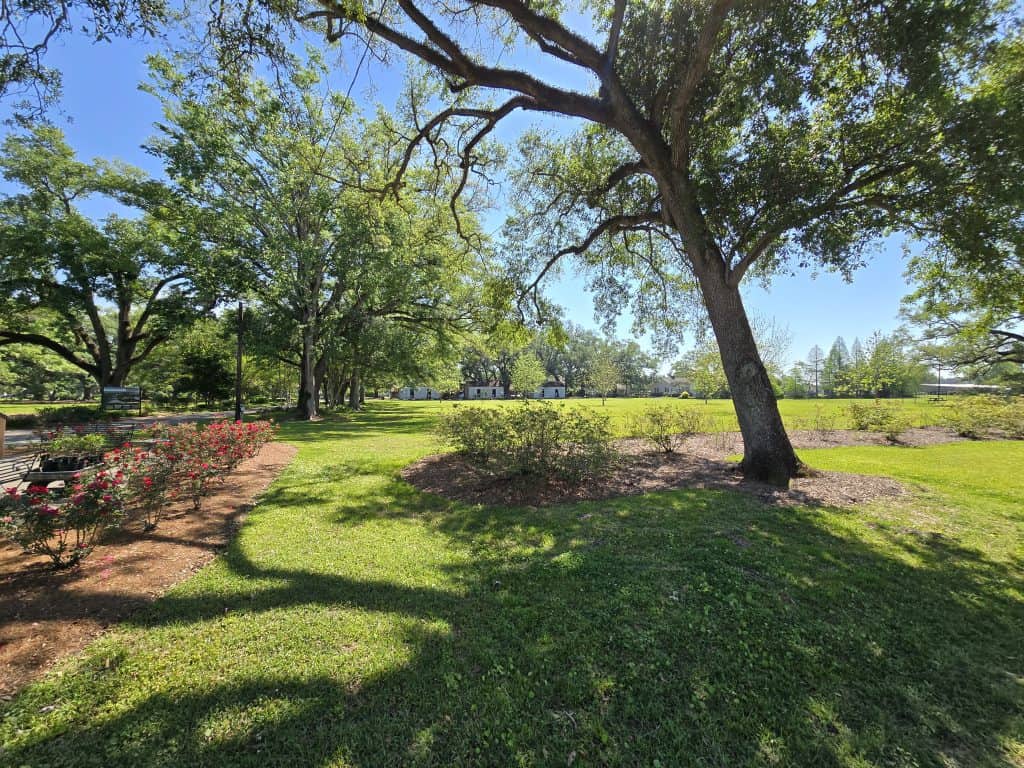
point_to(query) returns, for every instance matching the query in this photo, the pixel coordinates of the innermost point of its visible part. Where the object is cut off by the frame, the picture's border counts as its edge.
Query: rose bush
(180, 461)
(63, 529)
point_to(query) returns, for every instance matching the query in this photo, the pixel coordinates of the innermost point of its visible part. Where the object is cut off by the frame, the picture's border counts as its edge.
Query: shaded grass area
(356, 622)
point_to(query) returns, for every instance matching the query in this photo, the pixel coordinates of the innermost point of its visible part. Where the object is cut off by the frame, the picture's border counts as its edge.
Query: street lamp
(238, 364)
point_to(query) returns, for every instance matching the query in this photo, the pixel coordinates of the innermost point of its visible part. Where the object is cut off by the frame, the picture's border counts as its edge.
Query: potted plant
(70, 453)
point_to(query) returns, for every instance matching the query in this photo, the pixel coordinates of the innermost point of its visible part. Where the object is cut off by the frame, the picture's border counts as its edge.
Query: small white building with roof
(418, 393)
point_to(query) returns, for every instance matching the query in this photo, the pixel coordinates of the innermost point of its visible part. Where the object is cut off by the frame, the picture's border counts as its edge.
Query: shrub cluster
(63, 529)
(668, 425)
(183, 461)
(977, 415)
(22, 420)
(532, 439)
(879, 417)
(133, 482)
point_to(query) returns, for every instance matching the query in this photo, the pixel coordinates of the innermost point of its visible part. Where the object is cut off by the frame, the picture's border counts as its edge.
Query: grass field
(721, 416)
(13, 408)
(356, 622)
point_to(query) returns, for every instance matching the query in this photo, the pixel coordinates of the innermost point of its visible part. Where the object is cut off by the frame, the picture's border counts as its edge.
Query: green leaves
(110, 290)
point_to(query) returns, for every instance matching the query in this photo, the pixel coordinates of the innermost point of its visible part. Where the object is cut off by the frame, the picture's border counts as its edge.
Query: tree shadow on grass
(694, 628)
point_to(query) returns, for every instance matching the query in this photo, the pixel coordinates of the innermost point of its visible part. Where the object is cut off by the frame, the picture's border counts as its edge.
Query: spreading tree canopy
(283, 176)
(969, 284)
(101, 295)
(716, 138)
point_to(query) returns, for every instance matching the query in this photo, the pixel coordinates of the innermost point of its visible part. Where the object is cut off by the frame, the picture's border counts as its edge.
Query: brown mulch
(700, 462)
(46, 615)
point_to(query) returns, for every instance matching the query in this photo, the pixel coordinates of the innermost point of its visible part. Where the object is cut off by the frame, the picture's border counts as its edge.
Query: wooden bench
(14, 469)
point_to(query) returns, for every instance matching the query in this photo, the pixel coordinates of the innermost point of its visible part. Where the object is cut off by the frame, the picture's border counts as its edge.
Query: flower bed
(132, 483)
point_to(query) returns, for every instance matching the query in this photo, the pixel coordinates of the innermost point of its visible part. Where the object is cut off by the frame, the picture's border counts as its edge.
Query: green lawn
(356, 622)
(721, 416)
(22, 407)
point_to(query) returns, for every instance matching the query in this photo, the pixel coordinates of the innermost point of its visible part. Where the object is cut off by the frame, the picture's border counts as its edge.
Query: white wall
(485, 393)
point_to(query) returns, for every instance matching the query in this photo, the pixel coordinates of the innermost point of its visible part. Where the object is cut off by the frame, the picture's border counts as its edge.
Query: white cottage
(418, 393)
(484, 391)
(550, 390)
(669, 385)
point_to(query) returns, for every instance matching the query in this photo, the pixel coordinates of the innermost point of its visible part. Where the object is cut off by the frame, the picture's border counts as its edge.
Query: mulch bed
(700, 462)
(46, 615)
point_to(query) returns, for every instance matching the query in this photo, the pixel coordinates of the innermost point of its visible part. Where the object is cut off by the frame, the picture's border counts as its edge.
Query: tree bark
(319, 379)
(768, 455)
(308, 406)
(355, 386)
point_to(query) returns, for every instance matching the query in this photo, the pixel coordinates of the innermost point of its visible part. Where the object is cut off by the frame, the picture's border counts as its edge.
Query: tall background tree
(286, 179)
(101, 295)
(717, 138)
(527, 374)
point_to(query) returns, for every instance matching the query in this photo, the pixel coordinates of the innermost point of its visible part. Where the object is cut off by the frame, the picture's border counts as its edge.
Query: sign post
(121, 399)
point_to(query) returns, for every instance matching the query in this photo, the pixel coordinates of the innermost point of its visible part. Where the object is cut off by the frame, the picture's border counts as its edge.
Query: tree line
(709, 142)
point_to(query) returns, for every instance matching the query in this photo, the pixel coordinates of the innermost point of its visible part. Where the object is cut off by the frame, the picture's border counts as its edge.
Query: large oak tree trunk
(767, 453)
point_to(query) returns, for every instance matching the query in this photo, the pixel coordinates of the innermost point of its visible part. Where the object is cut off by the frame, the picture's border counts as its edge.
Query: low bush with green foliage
(73, 414)
(880, 417)
(668, 425)
(823, 421)
(978, 415)
(78, 445)
(22, 420)
(1013, 421)
(532, 439)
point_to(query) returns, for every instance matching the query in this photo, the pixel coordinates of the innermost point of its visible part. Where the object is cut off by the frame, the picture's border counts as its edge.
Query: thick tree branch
(151, 302)
(553, 37)
(612, 49)
(38, 340)
(695, 72)
(609, 226)
(446, 55)
(616, 177)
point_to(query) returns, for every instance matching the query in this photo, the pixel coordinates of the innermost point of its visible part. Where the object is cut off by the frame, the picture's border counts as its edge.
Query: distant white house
(484, 391)
(669, 385)
(550, 390)
(418, 393)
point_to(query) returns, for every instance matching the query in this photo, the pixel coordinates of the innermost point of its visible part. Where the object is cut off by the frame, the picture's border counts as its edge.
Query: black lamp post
(238, 364)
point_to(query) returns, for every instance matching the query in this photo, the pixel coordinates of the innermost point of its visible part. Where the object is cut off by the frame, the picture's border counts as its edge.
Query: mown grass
(720, 414)
(13, 408)
(356, 622)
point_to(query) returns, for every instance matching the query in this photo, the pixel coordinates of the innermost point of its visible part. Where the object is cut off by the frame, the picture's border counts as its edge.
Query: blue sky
(109, 117)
